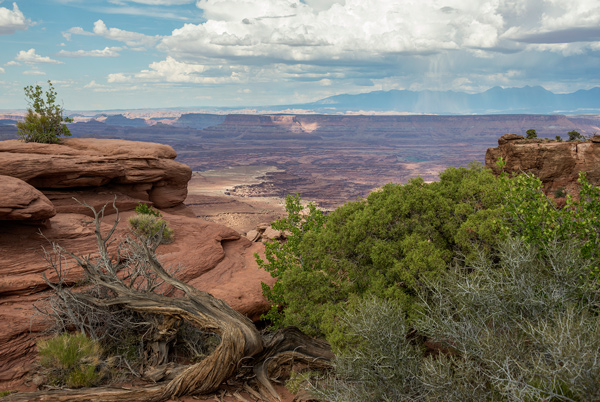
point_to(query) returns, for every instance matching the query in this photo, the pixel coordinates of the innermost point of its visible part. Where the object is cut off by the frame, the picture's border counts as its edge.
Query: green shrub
(151, 227)
(44, 120)
(560, 193)
(529, 214)
(575, 136)
(387, 246)
(521, 326)
(145, 209)
(284, 257)
(381, 363)
(301, 380)
(71, 359)
(525, 322)
(531, 134)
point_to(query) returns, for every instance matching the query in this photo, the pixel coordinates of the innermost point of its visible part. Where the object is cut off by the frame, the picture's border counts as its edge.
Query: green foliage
(529, 214)
(283, 257)
(6, 393)
(531, 134)
(71, 359)
(382, 363)
(560, 193)
(387, 245)
(44, 120)
(145, 209)
(575, 136)
(301, 380)
(500, 163)
(521, 326)
(151, 227)
(524, 321)
(558, 138)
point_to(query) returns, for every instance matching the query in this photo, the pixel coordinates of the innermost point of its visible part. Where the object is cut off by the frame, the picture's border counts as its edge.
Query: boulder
(509, 137)
(21, 202)
(273, 234)
(140, 170)
(253, 235)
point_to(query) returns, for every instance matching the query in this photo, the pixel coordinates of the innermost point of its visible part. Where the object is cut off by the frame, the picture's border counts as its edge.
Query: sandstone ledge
(141, 170)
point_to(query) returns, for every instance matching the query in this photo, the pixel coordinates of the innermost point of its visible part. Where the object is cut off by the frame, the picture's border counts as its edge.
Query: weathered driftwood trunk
(243, 351)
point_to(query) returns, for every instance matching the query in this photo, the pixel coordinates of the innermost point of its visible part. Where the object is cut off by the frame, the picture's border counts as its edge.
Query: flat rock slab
(137, 169)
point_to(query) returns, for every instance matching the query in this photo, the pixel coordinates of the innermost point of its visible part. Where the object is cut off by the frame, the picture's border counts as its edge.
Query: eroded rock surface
(209, 256)
(557, 164)
(141, 170)
(21, 202)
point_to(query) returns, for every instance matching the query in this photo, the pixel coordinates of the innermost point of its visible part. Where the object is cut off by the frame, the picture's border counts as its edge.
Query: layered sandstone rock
(140, 170)
(21, 202)
(557, 164)
(209, 256)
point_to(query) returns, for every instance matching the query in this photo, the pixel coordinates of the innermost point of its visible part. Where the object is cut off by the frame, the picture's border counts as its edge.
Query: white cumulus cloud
(350, 45)
(128, 37)
(352, 30)
(162, 2)
(133, 39)
(171, 70)
(33, 72)
(31, 57)
(75, 31)
(106, 52)
(2, 70)
(12, 20)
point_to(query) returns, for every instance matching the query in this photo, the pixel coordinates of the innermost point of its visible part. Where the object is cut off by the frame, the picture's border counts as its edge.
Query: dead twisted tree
(131, 276)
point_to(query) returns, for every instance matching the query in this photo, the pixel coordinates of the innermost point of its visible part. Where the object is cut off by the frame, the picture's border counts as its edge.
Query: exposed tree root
(243, 351)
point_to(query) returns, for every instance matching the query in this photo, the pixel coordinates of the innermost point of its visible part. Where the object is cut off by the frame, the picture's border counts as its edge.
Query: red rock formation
(557, 164)
(140, 170)
(211, 257)
(20, 201)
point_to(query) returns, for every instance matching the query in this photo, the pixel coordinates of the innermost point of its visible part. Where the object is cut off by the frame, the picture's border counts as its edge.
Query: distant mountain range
(494, 101)
(497, 100)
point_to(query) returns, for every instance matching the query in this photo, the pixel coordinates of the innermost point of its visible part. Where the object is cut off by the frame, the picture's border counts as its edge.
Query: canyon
(237, 179)
(328, 159)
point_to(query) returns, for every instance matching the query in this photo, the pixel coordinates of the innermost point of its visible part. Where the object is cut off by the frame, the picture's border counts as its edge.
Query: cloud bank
(12, 20)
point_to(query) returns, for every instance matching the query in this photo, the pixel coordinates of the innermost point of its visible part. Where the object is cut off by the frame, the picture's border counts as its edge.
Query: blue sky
(116, 54)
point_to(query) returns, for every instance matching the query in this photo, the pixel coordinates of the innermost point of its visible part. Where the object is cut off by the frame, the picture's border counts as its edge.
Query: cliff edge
(557, 164)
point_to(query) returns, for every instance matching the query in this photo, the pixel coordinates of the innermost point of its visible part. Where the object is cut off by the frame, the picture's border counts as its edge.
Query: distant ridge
(496, 100)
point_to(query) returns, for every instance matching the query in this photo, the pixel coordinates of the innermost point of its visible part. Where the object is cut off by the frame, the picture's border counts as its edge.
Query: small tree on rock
(575, 136)
(44, 120)
(531, 134)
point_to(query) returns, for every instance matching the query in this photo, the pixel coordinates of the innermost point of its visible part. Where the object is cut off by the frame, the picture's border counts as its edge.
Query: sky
(128, 54)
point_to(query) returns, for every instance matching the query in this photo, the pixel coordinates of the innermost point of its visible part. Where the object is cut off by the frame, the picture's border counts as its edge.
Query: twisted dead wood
(242, 350)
